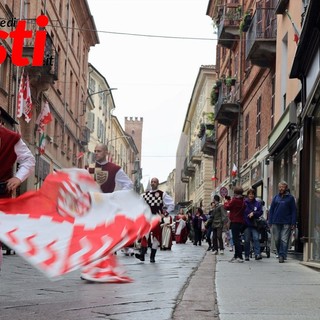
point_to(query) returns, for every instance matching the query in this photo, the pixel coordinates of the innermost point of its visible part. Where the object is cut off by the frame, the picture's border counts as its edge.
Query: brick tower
(133, 127)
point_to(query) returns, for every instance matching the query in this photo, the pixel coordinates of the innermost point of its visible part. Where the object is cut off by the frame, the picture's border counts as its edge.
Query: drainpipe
(241, 53)
(16, 90)
(65, 71)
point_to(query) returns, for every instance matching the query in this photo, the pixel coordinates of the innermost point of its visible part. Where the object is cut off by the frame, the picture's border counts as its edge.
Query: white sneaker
(233, 259)
(221, 252)
(215, 252)
(239, 260)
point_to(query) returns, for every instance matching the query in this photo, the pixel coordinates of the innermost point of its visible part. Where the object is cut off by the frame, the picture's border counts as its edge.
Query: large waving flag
(69, 223)
(44, 117)
(24, 105)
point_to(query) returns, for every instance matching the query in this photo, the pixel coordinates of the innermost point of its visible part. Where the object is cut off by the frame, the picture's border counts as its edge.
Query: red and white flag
(24, 105)
(80, 155)
(296, 32)
(42, 144)
(68, 223)
(234, 170)
(44, 117)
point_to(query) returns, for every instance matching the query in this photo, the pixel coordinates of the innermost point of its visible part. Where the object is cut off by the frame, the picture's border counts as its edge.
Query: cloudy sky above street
(154, 75)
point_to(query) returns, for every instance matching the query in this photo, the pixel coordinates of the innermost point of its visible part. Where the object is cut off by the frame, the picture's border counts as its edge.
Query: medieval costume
(181, 230)
(12, 150)
(110, 177)
(156, 199)
(166, 231)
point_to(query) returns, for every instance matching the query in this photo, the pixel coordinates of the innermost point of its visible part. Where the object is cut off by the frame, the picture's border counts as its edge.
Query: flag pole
(296, 31)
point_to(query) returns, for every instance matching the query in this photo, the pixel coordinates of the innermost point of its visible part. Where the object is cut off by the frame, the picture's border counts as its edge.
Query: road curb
(198, 299)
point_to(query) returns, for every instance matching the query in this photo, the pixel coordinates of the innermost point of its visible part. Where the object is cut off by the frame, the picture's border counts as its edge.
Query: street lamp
(84, 108)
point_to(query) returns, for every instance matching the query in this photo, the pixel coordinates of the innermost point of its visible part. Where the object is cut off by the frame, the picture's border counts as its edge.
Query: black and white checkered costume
(154, 199)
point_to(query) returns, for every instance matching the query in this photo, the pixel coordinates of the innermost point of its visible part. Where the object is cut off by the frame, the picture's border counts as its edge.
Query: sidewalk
(266, 289)
(197, 300)
(255, 290)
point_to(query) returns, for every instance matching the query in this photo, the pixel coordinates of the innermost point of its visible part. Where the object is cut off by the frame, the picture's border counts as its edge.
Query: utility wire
(147, 35)
(152, 35)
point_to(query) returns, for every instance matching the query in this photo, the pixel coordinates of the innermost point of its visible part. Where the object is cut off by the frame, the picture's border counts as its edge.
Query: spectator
(282, 219)
(236, 207)
(198, 223)
(219, 217)
(252, 212)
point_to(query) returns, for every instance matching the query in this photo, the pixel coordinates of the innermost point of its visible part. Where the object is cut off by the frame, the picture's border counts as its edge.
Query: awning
(284, 130)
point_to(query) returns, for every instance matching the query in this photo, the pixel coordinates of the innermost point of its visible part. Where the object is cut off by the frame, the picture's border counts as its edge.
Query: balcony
(188, 168)
(184, 178)
(261, 38)
(227, 108)
(208, 144)
(228, 25)
(195, 154)
(48, 73)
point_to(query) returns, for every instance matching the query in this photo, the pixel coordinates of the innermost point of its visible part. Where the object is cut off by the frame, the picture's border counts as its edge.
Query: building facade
(133, 126)
(97, 108)
(306, 68)
(61, 81)
(268, 119)
(79, 97)
(198, 155)
(243, 93)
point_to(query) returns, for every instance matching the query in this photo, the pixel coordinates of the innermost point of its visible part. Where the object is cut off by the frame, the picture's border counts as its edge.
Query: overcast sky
(154, 76)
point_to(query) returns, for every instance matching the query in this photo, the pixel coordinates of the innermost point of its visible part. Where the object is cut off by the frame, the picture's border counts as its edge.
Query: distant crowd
(238, 223)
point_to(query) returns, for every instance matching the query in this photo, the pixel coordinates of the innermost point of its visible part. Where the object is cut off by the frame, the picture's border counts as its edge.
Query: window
(246, 138)
(272, 100)
(92, 85)
(90, 123)
(235, 146)
(78, 46)
(72, 31)
(61, 8)
(101, 95)
(3, 75)
(258, 123)
(283, 71)
(76, 98)
(70, 93)
(220, 165)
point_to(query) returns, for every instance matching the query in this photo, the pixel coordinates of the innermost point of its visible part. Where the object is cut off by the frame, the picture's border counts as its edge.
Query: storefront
(314, 197)
(306, 67)
(284, 155)
(283, 150)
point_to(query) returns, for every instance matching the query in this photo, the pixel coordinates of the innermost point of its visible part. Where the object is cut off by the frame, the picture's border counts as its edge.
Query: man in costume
(69, 223)
(12, 150)
(110, 177)
(156, 199)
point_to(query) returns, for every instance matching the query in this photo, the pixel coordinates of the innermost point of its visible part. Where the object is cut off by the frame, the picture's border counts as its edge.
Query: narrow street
(26, 294)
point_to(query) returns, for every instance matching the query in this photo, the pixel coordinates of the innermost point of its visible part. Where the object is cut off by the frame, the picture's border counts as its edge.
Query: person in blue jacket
(282, 219)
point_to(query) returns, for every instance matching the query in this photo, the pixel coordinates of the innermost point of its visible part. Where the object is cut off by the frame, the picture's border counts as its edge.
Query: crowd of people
(226, 223)
(239, 223)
